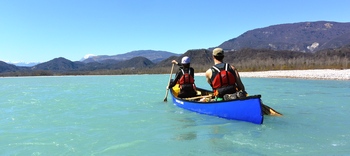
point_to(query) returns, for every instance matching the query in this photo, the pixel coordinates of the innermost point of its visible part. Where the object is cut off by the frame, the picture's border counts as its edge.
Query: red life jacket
(222, 76)
(186, 81)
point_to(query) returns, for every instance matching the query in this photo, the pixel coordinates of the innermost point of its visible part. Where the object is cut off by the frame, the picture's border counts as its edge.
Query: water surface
(126, 115)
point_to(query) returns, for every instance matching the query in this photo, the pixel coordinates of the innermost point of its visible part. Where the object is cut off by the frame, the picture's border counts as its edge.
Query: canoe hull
(248, 109)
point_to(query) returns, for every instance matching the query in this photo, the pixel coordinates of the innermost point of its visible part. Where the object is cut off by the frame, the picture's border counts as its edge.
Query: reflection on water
(184, 125)
(188, 129)
(186, 136)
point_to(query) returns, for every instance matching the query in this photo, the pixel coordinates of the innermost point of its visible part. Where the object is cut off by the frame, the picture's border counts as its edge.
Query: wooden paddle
(167, 88)
(199, 97)
(269, 111)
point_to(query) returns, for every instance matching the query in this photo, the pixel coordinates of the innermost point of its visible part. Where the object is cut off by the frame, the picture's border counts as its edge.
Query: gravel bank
(326, 74)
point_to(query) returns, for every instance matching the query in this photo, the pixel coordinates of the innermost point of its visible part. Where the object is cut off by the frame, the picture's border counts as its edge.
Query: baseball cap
(185, 60)
(218, 52)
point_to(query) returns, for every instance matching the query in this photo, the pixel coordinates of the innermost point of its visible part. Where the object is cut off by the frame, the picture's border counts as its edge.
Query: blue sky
(41, 30)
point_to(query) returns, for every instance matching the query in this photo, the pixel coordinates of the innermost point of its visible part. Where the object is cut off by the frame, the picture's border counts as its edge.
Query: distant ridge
(59, 64)
(5, 67)
(153, 55)
(302, 37)
(64, 65)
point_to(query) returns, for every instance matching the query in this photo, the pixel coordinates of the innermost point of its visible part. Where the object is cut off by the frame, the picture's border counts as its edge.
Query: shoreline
(322, 74)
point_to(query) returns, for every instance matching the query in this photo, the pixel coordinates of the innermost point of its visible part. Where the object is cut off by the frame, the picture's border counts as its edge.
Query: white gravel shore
(326, 74)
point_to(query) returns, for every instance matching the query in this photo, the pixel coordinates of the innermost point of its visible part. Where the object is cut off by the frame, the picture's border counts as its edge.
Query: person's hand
(174, 61)
(245, 93)
(242, 93)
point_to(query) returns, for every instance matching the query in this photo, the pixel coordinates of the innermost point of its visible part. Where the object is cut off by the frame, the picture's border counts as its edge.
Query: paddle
(199, 97)
(167, 88)
(269, 111)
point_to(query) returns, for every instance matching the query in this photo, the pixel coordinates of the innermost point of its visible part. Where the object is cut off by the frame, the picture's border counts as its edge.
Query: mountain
(64, 65)
(137, 62)
(303, 37)
(153, 55)
(5, 67)
(59, 64)
(305, 45)
(134, 63)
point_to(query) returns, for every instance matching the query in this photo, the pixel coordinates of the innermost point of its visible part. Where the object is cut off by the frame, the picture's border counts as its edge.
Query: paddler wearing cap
(223, 77)
(184, 78)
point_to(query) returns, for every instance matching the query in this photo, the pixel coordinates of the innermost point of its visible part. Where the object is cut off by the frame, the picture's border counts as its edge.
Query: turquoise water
(126, 115)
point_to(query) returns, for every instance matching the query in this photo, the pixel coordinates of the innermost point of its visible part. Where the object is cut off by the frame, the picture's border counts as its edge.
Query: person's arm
(238, 79)
(208, 76)
(175, 62)
(192, 72)
(177, 77)
(239, 82)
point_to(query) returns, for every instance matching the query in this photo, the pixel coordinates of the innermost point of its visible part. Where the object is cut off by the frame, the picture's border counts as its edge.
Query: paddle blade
(269, 111)
(166, 95)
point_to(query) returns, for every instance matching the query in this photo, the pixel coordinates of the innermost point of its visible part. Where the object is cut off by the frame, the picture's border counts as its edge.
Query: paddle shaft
(167, 88)
(198, 97)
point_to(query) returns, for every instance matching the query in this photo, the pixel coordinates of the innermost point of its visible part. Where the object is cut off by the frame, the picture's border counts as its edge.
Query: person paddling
(223, 77)
(185, 78)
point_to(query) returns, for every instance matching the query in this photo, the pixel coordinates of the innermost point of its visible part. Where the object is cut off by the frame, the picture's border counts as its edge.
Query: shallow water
(126, 115)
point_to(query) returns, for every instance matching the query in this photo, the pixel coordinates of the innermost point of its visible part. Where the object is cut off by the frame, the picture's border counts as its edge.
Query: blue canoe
(249, 109)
